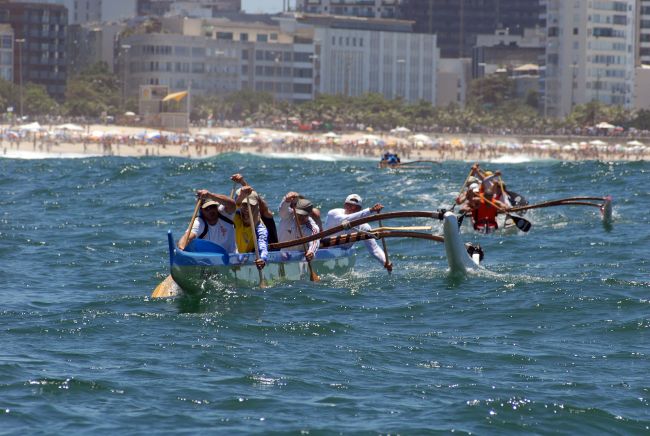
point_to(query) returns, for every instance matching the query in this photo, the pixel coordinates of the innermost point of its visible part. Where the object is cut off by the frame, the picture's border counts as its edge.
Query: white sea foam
(314, 157)
(22, 154)
(512, 159)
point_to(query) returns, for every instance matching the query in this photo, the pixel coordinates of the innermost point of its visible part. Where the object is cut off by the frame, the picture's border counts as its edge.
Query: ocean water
(553, 337)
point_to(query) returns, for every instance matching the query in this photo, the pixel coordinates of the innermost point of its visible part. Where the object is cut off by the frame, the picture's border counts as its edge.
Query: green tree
(9, 96)
(641, 120)
(38, 102)
(93, 91)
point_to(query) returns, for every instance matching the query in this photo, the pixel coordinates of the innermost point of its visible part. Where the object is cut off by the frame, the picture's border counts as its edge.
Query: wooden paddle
(383, 243)
(312, 275)
(166, 287)
(257, 248)
(522, 223)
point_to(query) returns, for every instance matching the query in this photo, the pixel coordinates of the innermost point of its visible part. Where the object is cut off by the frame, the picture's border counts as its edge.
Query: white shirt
(221, 233)
(288, 230)
(336, 216)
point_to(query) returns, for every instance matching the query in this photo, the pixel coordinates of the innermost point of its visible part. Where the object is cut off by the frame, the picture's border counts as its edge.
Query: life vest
(485, 216)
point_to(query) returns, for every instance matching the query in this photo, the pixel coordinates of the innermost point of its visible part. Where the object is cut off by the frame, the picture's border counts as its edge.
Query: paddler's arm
(284, 209)
(186, 239)
(244, 192)
(238, 178)
(225, 200)
(364, 212)
(315, 244)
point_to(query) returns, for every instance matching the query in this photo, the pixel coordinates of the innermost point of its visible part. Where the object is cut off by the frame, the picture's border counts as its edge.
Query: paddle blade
(314, 277)
(522, 223)
(262, 281)
(167, 288)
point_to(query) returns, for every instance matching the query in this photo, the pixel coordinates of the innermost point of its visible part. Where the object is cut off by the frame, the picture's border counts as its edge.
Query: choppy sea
(554, 337)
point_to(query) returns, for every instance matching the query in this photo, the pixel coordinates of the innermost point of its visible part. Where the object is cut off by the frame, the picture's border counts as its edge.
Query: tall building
(93, 11)
(356, 8)
(355, 61)
(293, 57)
(456, 23)
(590, 54)
(644, 32)
(162, 7)
(6, 53)
(40, 50)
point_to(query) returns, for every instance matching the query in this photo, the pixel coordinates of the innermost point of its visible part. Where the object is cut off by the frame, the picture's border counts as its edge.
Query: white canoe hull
(457, 257)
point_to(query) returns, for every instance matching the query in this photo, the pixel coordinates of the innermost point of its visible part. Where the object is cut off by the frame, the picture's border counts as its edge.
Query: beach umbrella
(70, 126)
(597, 142)
(129, 114)
(31, 127)
(605, 125)
(399, 131)
(635, 143)
(330, 135)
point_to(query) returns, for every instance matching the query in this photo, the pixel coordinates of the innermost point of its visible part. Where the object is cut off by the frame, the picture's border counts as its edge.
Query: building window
(225, 36)
(243, 36)
(274, 37)
(262, 37)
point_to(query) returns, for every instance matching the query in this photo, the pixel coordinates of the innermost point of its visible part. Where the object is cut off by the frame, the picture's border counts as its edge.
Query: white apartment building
(6, 52)
(590, 53)
(394, 64)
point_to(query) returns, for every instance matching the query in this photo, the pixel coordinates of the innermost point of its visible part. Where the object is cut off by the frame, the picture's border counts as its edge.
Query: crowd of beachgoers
(360, 142)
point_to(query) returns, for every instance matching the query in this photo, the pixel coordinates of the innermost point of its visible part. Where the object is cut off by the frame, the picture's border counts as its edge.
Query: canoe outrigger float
(202, 261)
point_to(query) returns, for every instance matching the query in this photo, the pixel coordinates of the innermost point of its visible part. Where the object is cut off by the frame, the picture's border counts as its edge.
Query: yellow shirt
(243, 235)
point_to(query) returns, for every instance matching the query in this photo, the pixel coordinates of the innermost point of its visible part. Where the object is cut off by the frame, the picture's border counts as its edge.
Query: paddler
(295, 211)
(266, 214)
(244, 222)
(352, 210)
(214, 223)
(484, 210)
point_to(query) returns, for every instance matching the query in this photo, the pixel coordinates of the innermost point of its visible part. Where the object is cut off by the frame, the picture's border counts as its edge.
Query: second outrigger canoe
(203, 262)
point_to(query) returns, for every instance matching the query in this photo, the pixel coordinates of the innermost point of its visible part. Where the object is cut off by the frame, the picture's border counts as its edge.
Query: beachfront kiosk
(164, 110)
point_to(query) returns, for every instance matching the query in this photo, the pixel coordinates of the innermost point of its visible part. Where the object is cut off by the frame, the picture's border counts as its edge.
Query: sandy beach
(126, 141)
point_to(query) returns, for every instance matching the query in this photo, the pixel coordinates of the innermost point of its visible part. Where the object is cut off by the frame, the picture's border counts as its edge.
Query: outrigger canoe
(203, 262)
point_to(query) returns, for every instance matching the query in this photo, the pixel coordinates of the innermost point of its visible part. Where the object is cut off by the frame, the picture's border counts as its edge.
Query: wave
(314, 157)
(21, 154)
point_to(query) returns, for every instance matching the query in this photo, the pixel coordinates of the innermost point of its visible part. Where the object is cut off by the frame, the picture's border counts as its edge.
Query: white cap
(474, 187)
(353, 199)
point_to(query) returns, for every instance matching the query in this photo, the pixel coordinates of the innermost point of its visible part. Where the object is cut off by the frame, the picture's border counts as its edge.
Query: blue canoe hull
(204, 265)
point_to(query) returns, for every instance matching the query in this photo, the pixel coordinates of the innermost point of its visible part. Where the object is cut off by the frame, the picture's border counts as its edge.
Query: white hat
(474, 187)
(353, 199)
